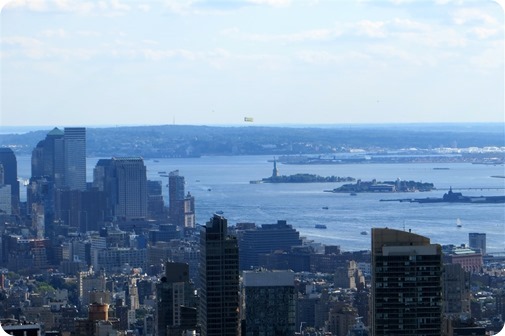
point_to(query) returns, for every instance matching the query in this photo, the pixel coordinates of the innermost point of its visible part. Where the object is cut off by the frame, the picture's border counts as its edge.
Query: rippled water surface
(222, 184)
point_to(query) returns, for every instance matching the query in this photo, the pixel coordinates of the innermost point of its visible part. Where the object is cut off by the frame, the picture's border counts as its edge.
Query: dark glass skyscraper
(406, 284)
(48, 158)
(219, 280)
(124, 182)
(267, 239)
(10, 176)
(269, 302)
(61, 158)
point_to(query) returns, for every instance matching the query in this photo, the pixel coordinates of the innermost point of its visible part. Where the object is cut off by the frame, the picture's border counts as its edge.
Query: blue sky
(116, 62)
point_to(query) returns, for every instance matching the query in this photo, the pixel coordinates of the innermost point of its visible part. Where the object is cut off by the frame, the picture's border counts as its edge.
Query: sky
(190, 62)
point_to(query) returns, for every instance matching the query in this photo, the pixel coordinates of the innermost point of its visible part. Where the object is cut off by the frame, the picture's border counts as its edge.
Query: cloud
(144, 7)
(179, 6)
(484, 33)
(371, 28)
(446, 2)
(490, 58)
(273, 3)
(80, 7)
(22, 41)
(50, 33)
(307, 35)
(106, 8)
(324, 57)
(89, 33)
(466, 15)
(408, 24)
(150, 42)
(401, 2)
(32, 5)
(117, 5)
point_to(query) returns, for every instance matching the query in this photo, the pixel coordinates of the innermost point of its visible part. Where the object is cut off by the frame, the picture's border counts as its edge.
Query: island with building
(385, 186)
(300, 178)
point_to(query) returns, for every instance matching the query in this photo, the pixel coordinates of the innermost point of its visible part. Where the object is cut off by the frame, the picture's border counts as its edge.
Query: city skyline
(216, 63)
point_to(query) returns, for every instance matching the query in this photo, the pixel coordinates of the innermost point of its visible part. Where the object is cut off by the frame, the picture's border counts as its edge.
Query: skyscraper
(269, 302)
(477, 241)
(181, 206)
(268, 238)
(175, 298)
(175, 186)
(457, 293)
(48, 158)
(219, 280)
(406, 284)
(61, 158)
(176, 197)
(10, 176)
(75, 157)
(124, 182)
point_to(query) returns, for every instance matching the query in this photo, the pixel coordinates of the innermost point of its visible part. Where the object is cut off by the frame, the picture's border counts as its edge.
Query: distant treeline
(190, 141)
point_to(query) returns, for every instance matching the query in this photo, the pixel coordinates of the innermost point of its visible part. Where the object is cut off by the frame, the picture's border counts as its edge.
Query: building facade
(267, 239)
(10, 176)
(219, 280)
(269, 301)
(181, 206)
(75, 157)
(124, 181)
(174, 294)
(406, 291)
(477, 240)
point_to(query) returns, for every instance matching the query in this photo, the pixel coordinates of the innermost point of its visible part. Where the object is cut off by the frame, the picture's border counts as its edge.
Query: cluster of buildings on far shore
(108, 257)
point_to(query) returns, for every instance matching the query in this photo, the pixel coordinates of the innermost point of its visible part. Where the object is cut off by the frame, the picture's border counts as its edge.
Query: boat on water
(320, 226)
(364, 233)
(458, 223)
(325, 208)
(353, 194)
(162, 172)
(219, 212)
(452, 197)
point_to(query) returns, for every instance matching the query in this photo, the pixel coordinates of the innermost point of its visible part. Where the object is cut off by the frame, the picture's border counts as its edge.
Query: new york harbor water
(221, 183)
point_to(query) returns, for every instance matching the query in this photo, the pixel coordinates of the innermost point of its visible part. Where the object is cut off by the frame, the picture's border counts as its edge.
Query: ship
(320, 226)
(453, 197)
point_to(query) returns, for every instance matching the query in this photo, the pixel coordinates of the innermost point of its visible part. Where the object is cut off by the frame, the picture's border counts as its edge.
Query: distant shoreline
(435, 126)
